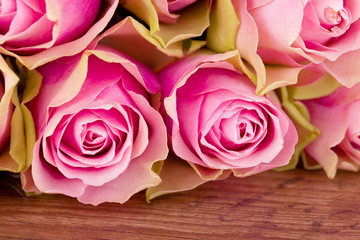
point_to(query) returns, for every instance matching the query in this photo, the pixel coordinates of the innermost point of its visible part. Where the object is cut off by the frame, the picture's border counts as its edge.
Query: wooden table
(295, 204)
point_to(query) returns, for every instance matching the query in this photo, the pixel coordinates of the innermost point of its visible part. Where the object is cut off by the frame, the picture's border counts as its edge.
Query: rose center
(332, 17)
(355, 141)
(242, 129)
(93, 138)
(93, 135)
(324, 22)
(336, 21)
(237, 130)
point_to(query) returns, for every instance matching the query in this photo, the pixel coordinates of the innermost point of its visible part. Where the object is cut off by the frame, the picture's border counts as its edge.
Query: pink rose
(323, 32)
(337, 117)
(39, 31)
(216, 121)
(330, 27)
(98, 136)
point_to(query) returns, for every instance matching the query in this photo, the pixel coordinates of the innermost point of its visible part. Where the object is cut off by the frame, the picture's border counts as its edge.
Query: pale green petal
(232, 27)
(320, 88)
(157, 166)
(222, 32)
(236, 60)
(278, 76)
(129, 32)
(178, 175)
(209, 174)
(11, 81)
(145, 10)
(299, 115)
(310, 163)
(23, 134)
(192, 22)
(247, 42)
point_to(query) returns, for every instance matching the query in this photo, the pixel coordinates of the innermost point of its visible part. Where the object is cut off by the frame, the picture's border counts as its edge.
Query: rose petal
(325, 119)
(139, 174)
(75, 45)
(346, 68)
(50, 180)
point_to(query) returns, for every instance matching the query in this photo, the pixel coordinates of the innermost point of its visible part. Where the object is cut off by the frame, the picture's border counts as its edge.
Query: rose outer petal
(49, 180)
(346, 68)
(49, 51)
(325, 118)
(287, 31)
(138, 176)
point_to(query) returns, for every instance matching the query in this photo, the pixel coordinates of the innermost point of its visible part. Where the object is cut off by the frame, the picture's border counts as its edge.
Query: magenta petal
(137, 177)
(96, 176)
(95, 138)
(174, 74)
(73, 129)
(49, 180)
(8, 6)
(23, 19)
(5, 21)
(73, 159)
(68, 28)
(36, 5)
(119, 118)
(156, 148)
(142, 74)
(25, 41)
(176, 5)
(189, 122)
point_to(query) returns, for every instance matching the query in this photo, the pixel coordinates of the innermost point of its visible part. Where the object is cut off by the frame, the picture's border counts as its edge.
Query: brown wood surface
(291, 205)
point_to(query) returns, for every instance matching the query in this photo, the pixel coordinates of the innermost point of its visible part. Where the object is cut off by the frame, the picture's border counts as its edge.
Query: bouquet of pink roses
(101, 99)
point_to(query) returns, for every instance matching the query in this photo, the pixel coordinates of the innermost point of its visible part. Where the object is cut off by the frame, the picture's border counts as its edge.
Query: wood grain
(291, 205)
